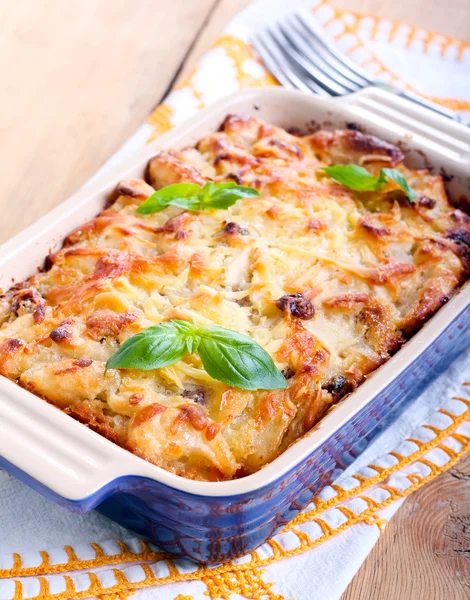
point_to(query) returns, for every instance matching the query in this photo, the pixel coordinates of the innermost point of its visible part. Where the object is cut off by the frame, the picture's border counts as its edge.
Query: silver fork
(300, 57)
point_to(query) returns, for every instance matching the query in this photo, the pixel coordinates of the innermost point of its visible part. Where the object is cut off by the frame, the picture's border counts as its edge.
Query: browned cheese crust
(329, 281)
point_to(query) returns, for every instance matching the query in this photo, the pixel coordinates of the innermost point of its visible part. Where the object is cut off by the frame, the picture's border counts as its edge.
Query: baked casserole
(330, 281)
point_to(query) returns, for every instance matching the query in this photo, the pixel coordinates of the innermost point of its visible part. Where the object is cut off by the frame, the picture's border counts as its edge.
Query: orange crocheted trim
(73, 563)
(160, 119)
(237, 50)
(248, 583)
(415, 34)
(120, 596)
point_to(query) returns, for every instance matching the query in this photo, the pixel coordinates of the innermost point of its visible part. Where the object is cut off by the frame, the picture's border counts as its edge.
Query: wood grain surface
(77, 80)
(424, 553)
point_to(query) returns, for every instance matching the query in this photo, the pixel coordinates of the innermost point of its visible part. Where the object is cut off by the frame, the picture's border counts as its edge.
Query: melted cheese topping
(329, 281)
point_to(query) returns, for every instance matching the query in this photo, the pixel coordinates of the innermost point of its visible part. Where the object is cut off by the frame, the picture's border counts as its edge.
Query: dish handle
(44, 447)
(444, 139)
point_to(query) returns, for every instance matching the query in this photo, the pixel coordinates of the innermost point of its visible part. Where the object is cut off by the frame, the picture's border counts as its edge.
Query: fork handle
(421, 101)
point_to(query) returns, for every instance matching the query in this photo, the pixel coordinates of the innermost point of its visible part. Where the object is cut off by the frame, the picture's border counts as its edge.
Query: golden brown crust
(166, 169)
(329, 281)
(103, 322)
(346, 301)
(343, 147)
(10, 352)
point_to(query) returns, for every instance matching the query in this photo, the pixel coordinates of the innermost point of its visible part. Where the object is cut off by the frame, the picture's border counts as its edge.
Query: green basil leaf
(226, 355)
(188, 203)
(183, 327)
(360, 179)
(180, 194)
(224, 195)
(400, 179)
(211, 188)
(190, 331)
(353, 177)
(191, 196)
(237, 360)
(155, 347)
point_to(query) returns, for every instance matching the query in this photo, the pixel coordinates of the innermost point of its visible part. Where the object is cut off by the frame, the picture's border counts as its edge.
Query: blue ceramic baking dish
(213, 522)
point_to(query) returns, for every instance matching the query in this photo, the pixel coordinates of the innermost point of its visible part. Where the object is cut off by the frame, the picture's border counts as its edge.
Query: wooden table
(77, 80)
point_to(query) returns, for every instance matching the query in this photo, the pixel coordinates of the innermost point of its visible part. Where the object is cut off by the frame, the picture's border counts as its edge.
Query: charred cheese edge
(329, 281)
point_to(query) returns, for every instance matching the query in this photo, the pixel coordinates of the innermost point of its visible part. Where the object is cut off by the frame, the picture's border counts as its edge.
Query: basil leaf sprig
(360, 179)
(399, 178)
(194, 197)
(226, 355)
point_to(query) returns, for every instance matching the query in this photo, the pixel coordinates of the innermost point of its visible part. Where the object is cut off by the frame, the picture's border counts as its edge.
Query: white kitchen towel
(48, 553)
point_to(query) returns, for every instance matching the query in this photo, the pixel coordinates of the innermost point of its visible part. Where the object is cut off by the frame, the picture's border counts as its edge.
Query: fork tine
(280, 67)
(270, 63)
(308, 26)
(301, 57)
(314, 65)
(284, 46)
(309, 46)
(331, 50)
